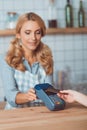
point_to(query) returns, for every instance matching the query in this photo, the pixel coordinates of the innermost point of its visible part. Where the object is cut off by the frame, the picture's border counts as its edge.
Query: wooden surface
(73, 117)
(2, 105)
(11, 32)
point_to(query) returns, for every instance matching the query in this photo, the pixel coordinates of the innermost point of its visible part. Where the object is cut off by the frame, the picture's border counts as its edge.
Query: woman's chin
(32, 48)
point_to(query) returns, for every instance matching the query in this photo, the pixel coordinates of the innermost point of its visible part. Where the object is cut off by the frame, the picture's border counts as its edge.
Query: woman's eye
(38, 32)
(27, 33)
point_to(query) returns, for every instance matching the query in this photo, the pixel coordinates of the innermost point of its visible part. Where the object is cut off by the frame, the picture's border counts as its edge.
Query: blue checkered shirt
(15, 81)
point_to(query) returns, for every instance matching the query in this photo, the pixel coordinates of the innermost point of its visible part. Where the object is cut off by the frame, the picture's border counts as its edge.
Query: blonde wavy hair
(43, 53)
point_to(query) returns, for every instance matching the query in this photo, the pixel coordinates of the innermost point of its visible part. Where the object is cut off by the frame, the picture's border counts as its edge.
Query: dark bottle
(52, 15)
(81, 15)
(68, 14)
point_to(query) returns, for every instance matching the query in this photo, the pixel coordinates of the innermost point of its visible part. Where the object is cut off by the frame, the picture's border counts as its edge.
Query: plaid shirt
(15, 81)
(26, 80)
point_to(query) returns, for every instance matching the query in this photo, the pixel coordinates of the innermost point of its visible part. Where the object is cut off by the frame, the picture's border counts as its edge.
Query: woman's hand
(26, 97)
(30, 95)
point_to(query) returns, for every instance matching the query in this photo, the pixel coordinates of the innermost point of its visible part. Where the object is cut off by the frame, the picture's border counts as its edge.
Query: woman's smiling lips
(32, 43)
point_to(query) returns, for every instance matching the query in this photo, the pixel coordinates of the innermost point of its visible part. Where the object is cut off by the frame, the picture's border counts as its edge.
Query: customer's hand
(67, 95)
(72, 95)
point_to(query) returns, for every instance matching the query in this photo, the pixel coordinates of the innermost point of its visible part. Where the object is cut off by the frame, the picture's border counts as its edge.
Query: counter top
(73, 117)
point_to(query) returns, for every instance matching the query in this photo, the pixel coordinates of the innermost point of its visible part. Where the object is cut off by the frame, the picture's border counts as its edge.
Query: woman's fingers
(31, 95)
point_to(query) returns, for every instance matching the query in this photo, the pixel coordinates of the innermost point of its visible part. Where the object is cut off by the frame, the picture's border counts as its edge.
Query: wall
(69, 51)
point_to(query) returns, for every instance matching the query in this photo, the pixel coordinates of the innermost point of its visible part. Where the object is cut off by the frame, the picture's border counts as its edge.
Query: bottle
(81, 15)
(68, 14)
(52, 15)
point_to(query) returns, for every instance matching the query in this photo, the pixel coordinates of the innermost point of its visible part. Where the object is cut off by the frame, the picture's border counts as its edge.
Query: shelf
(11, 32)
(67, 31)
(7, 32)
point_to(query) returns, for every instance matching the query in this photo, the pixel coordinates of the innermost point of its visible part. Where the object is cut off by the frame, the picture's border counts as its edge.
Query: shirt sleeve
(49, 79)
(8, 81)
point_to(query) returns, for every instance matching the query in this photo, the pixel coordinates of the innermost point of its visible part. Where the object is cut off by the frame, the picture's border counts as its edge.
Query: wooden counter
(73, 117)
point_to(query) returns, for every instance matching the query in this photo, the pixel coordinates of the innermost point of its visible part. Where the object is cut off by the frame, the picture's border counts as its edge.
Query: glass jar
(52, 14)
(11, 20)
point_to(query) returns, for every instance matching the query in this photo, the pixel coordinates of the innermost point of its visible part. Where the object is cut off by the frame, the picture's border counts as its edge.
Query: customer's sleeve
(8, 81)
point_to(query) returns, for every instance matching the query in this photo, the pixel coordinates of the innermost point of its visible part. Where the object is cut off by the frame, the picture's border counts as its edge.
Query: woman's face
(30, 35)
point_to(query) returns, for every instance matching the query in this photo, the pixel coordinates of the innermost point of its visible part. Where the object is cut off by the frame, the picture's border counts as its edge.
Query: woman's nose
(33, 36)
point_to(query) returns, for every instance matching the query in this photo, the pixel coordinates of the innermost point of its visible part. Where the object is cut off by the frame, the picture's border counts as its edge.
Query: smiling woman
(28, 62)
(30, 35)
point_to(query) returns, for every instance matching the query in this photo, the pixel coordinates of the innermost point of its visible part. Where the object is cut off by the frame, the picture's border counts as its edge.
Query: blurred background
(69, 50)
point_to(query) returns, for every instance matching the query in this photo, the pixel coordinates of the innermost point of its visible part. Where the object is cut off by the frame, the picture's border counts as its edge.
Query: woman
(27, 62)
(71, 96)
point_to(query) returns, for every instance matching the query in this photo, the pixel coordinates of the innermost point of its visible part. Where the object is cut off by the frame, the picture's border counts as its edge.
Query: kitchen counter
(73, 117)
(2, 105)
